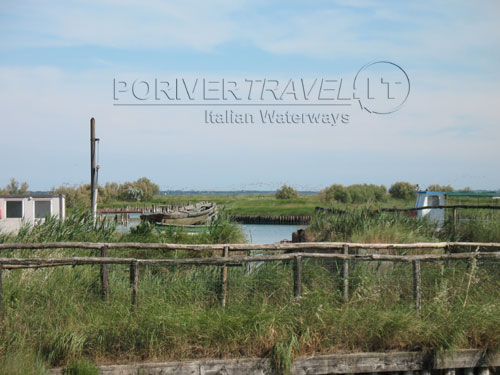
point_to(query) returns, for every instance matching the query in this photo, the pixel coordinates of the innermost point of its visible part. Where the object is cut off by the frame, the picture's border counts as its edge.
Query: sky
(61, 61)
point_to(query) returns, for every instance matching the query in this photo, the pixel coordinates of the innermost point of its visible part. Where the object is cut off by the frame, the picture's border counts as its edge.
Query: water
(254, 233)
(258, 233)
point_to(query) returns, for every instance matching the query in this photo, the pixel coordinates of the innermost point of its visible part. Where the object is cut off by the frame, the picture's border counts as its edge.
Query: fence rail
(226, 260)
(242, 247)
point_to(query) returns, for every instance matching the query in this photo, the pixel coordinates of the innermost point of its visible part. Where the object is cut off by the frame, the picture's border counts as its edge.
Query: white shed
(17, 209)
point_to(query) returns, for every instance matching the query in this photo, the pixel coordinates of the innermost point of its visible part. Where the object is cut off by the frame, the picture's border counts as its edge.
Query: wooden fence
(294, 252)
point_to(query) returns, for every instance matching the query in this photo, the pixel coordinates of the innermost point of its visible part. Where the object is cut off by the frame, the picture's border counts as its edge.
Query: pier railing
(343, 256)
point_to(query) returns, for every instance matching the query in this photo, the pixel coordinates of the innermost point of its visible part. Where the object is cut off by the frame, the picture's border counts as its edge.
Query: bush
(335, 193)
(286, 192)
(402, 190)
(141, 190)
(436, 187)
(367, 193)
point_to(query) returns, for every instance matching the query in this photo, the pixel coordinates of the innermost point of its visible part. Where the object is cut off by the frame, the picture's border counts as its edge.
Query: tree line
(363, 193)
(142, 189)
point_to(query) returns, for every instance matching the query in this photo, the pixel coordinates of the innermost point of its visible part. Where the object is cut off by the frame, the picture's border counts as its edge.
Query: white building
(18, 209)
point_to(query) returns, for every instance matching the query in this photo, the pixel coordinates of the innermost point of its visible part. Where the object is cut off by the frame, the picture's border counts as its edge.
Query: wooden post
(484, 371)
(1, 291)
(134, 282)
(93, 169)
(345, 275)
(297, 276)
(105, 275)
(223, 290)
(454, 220)
(417, 285)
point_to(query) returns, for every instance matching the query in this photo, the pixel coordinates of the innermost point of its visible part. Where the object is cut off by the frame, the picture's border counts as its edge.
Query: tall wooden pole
(93, 169)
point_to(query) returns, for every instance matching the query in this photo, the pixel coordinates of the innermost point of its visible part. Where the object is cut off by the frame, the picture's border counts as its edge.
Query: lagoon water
(254, 233)
(258, 233)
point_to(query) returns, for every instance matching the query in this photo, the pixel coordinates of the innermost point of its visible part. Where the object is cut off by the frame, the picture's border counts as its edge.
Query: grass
(55, 317)
(252, 204)
(57, 313)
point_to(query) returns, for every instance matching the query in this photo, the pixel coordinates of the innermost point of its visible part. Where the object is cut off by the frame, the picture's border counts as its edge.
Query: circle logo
(381, 87)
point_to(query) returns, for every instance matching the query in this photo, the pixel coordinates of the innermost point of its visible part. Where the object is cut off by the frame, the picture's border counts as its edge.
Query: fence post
(417, 284)
(1, 290)
(223, 289)
(134, 281)
(455, 220)
(345, 275)
(105, 275)
(297, 276)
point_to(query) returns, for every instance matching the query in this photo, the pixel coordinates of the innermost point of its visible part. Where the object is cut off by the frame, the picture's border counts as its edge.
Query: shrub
(335, 193)
(14, 187)
(402, 190)
(141, 190)
(286, 192)
(436, 187)
(367, 193)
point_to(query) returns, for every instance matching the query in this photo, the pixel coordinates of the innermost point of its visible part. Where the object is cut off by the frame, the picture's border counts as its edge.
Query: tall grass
(56, 316)
(58, 313)
(367, 225)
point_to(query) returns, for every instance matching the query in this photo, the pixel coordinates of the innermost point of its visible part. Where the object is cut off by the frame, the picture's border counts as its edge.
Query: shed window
(433, 200)
(14, 209)
(42, 209)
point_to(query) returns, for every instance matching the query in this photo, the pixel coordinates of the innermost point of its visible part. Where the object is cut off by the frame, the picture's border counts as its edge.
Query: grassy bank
(254, 204)
(56, 316)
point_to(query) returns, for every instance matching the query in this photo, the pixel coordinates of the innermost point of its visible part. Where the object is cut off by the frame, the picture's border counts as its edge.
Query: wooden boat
(196, 214)
(190, 229)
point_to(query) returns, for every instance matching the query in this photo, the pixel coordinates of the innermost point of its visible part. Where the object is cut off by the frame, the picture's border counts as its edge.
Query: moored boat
(197, 214)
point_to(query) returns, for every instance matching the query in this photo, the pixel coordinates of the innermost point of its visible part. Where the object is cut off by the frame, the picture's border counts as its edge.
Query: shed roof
(38, 195)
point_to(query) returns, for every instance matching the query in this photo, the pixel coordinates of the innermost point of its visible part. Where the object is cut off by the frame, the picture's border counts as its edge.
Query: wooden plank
(359, 363)
(317, 365)
(239, 247)
(467, 359)
(393, 362)
(245, 259)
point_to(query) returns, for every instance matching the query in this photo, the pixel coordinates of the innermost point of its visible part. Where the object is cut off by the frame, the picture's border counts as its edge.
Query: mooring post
(223, 289)
(345, 275)
(297, 276)
(134, 281)
(104, 275)
(417, 285)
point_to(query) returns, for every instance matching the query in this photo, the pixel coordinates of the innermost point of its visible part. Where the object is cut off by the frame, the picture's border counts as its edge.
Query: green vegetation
(14, 187)
(402, 190)
(78, 196)
(371, 226)
(367, 225)
(81, 367)
(353, 194)
(286, 192)
(436, 187)
(55, 316)
(236, 204)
